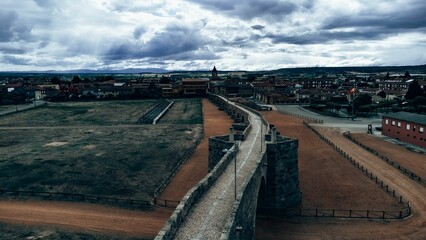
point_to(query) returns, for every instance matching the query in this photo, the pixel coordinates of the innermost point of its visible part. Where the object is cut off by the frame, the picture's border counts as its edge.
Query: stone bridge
(252, 167)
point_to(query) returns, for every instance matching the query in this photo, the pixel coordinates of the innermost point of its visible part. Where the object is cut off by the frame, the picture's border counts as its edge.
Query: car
(378, 128)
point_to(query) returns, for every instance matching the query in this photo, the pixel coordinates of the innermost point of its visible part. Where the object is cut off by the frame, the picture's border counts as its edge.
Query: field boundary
(17, 110)
(394, 164)
(76, 197)
(173, 203)
(309, 119)
(386, 214)
(338, 213)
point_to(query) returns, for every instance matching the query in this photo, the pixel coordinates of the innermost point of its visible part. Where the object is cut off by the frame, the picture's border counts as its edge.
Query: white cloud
(249, 34)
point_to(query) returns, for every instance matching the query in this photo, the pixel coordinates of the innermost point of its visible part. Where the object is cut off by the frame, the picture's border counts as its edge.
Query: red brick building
(407, 127)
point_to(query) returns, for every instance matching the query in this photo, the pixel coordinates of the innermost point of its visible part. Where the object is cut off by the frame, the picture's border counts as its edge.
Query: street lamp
(235, 167)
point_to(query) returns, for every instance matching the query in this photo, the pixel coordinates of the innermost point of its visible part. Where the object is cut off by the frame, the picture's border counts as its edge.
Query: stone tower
(214, 72)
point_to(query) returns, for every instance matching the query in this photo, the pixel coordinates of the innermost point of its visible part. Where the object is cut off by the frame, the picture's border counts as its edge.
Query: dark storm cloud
(411, 16)
(11, 29)
(11, 50)
(172, 41)
(258, 27)
(138, 32)
(15, 60)
(328, 36)
(266, 9)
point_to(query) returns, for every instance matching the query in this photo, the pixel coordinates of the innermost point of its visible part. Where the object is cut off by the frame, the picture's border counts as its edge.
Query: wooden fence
(385, 158)
(172, 203)
(76, 197)
(337, 213)
(404, 213)
(309, 119)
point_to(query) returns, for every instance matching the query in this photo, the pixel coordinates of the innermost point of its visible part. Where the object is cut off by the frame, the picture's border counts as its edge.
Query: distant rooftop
(408, 117)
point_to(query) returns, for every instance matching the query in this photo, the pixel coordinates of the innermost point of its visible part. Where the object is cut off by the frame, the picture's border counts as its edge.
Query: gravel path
(208, 218)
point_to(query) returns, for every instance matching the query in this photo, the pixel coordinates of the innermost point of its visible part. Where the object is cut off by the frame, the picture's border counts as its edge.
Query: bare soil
(413, 161)
(268, 227)
(196, 167)
(327, 180)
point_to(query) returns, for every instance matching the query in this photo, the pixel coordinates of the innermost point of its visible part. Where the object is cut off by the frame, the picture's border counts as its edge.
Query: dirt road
(85, 217)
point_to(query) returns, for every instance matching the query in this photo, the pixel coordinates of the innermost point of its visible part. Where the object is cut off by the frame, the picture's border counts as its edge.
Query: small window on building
(393, 123)
(421, 130)
(407, 126)
(414, 128)
(387, 121)
(399, 124)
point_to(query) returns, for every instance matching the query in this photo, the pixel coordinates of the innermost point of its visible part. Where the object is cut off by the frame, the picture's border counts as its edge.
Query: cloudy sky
(197, 34)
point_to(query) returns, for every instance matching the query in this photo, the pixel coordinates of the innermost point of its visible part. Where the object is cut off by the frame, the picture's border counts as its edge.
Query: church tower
(214, 72)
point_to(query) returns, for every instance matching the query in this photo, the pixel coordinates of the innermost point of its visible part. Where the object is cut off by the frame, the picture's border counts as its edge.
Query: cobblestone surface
(208, 217)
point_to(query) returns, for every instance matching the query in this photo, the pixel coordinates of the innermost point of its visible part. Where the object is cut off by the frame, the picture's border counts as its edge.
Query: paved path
(356, 125)
(208, 218)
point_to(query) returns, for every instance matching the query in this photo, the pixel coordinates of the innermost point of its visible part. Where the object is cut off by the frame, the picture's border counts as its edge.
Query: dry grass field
(94, 148)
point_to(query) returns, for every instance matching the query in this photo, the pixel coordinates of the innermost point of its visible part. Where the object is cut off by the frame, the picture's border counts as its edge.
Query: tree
(414, 90)
(55, 80)
(76, 79)
(164, 80)
(362, 100)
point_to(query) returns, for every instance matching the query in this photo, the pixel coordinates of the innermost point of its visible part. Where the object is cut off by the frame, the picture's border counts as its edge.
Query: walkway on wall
(207, 218)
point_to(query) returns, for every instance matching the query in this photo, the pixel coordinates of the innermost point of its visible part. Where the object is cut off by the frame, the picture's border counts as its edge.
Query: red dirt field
(327, 180)
(90, 218)
(414, 227)
(85, 217)
(196, 167)
(415, 162)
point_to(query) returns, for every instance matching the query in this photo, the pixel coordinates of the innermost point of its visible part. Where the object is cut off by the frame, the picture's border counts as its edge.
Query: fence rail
(76, 197)
(337, 213)
(404, 213)
(386, 159)
(309, 119)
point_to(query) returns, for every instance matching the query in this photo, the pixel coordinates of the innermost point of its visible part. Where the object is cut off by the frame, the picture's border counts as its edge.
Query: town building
(406, 127)
(194, 87)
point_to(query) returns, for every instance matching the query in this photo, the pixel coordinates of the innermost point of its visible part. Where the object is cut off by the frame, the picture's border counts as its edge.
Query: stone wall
(274, 184)
(192, 197)
(241, 223)
(216, 146)
(282, 177)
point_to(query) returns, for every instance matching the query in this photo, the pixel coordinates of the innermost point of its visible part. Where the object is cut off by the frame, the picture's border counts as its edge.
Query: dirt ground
(413, 161)
(196, 167)
(91, 218)
(327, 180)
(268, 227)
